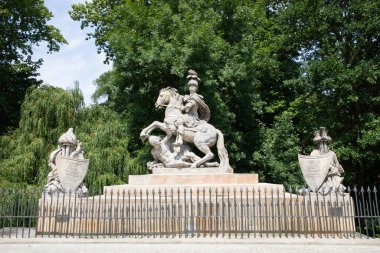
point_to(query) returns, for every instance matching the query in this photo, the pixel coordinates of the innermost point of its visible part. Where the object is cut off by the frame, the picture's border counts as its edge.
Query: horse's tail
(223, 154)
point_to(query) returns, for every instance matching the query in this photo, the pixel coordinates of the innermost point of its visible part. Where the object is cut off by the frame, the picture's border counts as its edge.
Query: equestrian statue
(186, 121)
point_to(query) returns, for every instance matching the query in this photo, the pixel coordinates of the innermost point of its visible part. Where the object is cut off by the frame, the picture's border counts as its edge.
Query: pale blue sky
(78, 60)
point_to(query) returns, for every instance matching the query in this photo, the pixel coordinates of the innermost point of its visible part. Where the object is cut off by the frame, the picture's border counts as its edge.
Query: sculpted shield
(71, 171)
(314, 169)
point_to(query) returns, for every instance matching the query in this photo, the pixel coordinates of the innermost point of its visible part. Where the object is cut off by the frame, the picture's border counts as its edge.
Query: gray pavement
(184, 245)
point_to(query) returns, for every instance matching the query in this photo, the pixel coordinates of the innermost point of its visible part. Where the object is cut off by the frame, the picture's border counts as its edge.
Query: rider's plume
(192, 75)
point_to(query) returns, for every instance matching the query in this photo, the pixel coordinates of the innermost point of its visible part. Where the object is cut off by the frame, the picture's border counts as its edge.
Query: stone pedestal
(180, 204)
(193, 179)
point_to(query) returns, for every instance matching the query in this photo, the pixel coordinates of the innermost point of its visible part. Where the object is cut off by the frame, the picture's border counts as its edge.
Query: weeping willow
(103, 134)
(46, 113)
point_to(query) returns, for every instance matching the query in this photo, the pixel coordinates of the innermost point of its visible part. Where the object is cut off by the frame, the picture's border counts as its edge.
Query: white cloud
(78, 60)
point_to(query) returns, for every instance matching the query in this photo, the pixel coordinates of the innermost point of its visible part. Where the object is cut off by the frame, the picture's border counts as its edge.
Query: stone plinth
(167, 213)
(180, 204)
(193, 179)
(191, 182)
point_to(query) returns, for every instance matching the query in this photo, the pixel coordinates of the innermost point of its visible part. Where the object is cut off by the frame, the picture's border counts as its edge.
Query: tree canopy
(23, 24)
(48, 112)
(272, 71)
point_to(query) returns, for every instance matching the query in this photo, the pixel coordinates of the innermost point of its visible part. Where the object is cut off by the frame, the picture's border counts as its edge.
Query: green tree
(23, 24)
(48, 112)
(267, 68)
(234, 47)
(277, 155)
(338, 84)
(103, 133)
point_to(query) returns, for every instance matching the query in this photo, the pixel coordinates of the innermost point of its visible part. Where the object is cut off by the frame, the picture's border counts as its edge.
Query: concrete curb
(184, 245)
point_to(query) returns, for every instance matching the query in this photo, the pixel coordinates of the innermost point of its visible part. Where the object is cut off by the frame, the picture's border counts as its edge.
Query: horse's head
(164, 97)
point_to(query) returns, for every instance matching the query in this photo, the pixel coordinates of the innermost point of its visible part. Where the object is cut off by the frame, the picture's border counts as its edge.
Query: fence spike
(240, 217)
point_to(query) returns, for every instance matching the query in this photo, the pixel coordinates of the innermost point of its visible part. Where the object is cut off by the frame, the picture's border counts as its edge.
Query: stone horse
(203, 136)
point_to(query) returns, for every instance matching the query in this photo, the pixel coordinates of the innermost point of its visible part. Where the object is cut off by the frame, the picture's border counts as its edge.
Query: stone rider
(195, 109)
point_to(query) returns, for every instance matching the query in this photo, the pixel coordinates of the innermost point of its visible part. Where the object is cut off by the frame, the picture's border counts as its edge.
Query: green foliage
(272, 73)
(103, 134)
(232, 45)
(338, 85)
(47, 112)
(277, 155)
(23, 24)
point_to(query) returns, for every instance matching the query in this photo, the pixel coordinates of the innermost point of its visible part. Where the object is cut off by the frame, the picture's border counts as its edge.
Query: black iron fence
(191, 212)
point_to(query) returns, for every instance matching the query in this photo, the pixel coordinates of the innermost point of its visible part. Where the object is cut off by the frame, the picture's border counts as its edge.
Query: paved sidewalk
(184, 245)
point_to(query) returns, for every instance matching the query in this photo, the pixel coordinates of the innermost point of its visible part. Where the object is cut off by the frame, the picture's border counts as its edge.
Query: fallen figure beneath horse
(165, 157)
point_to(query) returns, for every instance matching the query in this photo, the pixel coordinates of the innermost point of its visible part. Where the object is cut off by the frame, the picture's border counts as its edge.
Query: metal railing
(191, 212)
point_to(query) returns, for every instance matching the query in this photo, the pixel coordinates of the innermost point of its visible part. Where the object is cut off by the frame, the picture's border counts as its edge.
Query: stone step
(259, 188)
(201, 170)
(193, 179)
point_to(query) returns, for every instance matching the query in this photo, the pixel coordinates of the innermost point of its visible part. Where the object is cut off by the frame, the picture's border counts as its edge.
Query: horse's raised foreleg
(146, 131)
